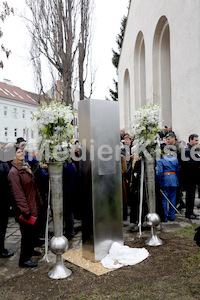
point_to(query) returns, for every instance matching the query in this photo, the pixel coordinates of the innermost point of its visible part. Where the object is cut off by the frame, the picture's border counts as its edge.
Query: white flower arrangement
(148, 124)
(55, 131)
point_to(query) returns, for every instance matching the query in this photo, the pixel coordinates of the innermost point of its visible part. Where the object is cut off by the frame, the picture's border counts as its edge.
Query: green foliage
(116, 56)
(114, 93)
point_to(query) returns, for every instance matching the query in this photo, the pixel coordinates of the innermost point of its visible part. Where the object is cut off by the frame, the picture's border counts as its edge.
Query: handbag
(31, 221)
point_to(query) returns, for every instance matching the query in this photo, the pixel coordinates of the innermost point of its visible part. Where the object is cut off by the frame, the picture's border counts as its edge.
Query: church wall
(184, 29)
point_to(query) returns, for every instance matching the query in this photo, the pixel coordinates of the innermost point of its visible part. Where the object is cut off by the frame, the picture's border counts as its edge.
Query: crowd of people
(177, 172)
(24, 186)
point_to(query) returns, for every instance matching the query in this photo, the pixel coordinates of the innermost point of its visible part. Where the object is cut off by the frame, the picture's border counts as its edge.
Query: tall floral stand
(58, 243)
(152, 219)
(150, 179)
(148, 124)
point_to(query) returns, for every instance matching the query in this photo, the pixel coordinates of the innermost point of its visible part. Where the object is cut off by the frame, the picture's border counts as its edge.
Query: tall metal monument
(101, 177)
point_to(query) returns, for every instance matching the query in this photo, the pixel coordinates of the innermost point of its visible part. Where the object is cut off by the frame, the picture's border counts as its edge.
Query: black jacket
(191, 167)
(5, 193)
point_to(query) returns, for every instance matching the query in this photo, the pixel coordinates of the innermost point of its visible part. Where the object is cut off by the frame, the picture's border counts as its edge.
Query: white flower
(54, 128)
(148, 124)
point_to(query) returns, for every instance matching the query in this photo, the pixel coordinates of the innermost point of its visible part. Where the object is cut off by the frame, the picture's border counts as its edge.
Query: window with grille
(6, 131)
(5, 110)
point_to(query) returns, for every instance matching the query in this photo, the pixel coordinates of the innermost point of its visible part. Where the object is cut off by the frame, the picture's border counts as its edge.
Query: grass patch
(94, 296)
(186, 232)
(191, 265)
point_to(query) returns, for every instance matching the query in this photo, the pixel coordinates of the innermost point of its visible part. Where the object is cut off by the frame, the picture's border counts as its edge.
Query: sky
(106, 27)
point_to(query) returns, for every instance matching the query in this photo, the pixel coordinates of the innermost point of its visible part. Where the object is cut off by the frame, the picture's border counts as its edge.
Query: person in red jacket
(27, 201)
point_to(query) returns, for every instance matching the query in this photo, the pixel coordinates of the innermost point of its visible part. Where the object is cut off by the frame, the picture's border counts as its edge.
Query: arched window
(162, 69)
(140, 71)
(127, 104)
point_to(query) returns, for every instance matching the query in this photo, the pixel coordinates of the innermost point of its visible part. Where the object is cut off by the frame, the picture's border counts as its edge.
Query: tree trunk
(81, 60)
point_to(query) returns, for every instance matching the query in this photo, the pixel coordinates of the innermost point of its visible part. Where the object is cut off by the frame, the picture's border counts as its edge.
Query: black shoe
(36, 253)
(70, 237)
(144, 228)
(170, 219)
(198, 206)
(134, 229)
(27, 264)
(38, 243)
(6, 254)
(193, 217)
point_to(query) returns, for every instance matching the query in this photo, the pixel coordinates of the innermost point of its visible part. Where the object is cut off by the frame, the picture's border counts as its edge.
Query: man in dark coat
(5, 198)
(191, 171)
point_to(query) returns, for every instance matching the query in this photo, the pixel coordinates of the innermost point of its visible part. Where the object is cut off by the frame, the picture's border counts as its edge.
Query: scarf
(24, 165)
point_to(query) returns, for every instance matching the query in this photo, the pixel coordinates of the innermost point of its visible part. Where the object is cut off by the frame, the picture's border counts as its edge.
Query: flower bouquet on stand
(147, 126)
(55, 131)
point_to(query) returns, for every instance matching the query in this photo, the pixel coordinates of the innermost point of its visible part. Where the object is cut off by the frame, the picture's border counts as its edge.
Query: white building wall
(11, 121)
(184, 25)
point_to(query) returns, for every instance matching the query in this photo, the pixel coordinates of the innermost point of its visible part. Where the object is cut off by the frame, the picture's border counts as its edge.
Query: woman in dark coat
(28, 202)
(5, 201)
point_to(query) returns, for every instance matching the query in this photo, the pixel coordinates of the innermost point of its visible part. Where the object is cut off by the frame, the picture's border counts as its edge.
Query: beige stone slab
(75, 257)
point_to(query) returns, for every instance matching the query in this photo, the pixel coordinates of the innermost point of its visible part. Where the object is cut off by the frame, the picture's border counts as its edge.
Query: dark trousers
(190, 196)
(27, 241)
(134, 208)
(170, 193)
(68, 217)
(3, 225)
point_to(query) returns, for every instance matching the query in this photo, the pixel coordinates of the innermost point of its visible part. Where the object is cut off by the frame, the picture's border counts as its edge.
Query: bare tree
(5, 12)
(55, 30)
(85, 43)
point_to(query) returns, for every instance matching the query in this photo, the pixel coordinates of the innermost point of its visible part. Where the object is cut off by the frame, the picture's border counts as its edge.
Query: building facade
(16, 109)
(160, 63)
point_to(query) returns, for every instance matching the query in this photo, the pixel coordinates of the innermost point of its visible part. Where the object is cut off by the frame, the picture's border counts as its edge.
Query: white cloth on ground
(123, 256)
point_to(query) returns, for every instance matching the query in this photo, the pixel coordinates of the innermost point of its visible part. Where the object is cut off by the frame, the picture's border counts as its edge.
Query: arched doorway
(162, 69)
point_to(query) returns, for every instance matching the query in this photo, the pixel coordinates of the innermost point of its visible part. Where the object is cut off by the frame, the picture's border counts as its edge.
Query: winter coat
(191, 167)
(4, 186)
(26, 195)
(5, 194)
(41, 175)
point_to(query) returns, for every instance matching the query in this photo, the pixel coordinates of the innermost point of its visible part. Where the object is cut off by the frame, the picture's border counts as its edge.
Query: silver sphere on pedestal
(153, 220)
(58, 245)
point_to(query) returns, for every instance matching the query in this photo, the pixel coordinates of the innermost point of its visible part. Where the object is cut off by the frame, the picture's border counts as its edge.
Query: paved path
(9, 267)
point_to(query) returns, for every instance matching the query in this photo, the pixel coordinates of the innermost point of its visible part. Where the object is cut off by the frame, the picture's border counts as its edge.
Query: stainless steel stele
(101, 177)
